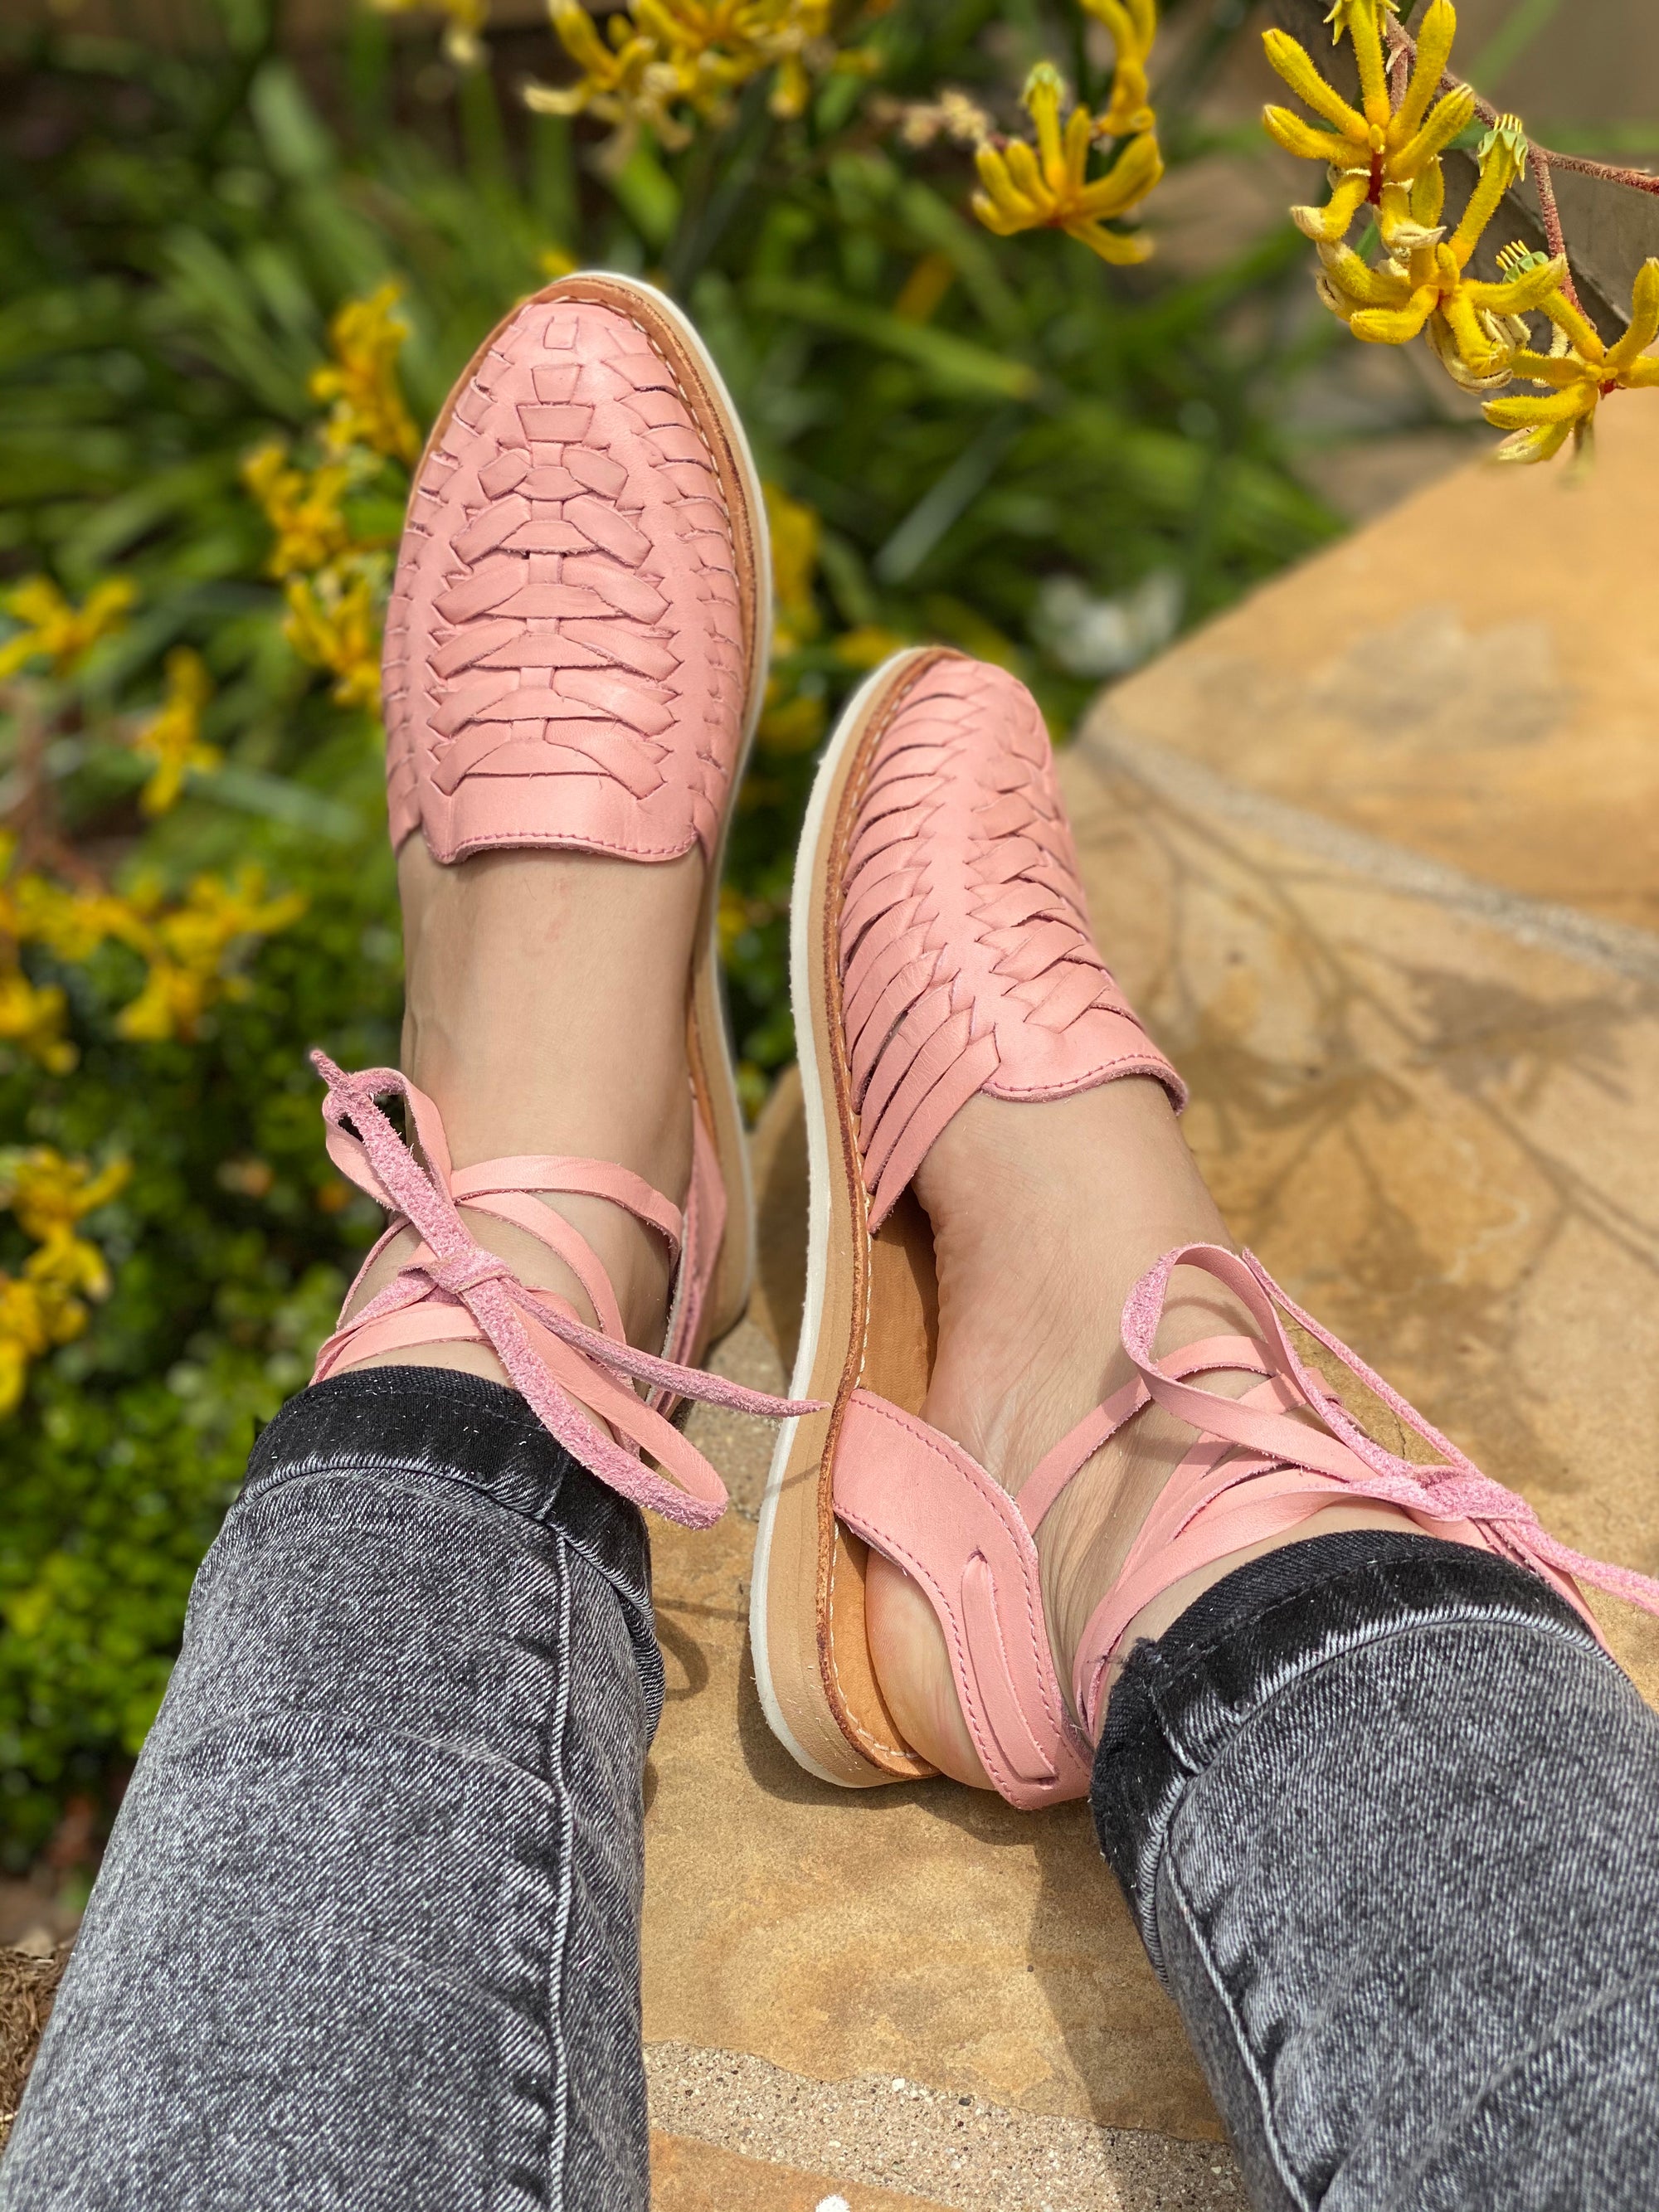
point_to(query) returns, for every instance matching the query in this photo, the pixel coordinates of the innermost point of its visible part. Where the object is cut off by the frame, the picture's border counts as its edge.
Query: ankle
(1100, 1186)
(545, 1014)
(546, 1005)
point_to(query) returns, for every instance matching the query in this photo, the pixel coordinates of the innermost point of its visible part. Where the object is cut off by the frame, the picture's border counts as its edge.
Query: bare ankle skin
(545, 1013)
(1044, 1217)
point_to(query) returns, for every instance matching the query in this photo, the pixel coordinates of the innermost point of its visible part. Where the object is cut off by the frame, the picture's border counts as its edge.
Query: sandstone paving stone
(884, 2133)
(1472, 676)
(688, 2176)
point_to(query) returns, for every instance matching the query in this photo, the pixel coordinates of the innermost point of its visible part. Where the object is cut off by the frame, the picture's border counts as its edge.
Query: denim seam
(1218, 1982)
(559, 1732)
(1498, 1610)
(531, 2177)
(1159, 1818)
(516, 1420)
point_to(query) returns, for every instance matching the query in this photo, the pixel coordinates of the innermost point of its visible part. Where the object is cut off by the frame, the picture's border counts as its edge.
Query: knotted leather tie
(1274, 1469)
(547, 1352)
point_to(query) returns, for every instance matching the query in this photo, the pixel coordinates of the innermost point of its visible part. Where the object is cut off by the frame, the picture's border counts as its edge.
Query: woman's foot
(1050, 1192)
(517, 965)
(1103, 1410)
(1044, 1218)
(574, 658)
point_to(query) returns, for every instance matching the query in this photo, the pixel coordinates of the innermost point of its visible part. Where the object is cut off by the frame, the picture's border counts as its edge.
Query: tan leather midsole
(862, 1327)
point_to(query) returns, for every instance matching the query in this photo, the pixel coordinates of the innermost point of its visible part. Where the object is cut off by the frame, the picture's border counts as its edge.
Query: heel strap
(1260, 1465)
(919, 1500)
(451, 1290)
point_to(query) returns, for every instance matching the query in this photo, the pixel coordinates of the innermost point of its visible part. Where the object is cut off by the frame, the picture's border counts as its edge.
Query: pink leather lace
(451, 1289)
(967, 960)
(565, 659)
(1258, 1470)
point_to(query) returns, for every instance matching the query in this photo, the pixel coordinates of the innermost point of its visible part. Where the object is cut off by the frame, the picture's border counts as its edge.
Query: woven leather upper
(967, 963)
(564, 660)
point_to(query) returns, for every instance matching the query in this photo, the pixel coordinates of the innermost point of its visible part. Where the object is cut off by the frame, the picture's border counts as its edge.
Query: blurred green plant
(237, 280)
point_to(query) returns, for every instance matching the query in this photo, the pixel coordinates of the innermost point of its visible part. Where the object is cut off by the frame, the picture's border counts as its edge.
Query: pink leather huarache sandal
(941, 947)
(575, 655)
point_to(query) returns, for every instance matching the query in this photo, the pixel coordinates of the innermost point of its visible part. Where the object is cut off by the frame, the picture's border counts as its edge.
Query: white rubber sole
(848, 732)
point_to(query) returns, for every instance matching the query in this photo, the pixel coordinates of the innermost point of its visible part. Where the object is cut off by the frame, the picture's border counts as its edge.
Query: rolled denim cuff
(433, 1425)
(1180, 1699)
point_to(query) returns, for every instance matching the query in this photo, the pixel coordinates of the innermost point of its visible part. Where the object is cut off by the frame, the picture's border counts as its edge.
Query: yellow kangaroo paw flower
(1127, 182)
(1541, 444)
(1518, 296)
(1644, 320)
(1445, 349)
(1012, 206)
(1403, 234)
(580, 40)
(1301, 139)
(1434, 45)
(1298, 69)
(1027, 179)
(1428, 194)
(1393, 326)
(1364, 28)
(1119, 246)
(1453, 113)
(1041, 98)
(1332, 219)
(1479, 354)
(986, 210)
(1585, 338)
(1498, 171)
(1562, 370)
(1080, 133)
(1372, 287)
(1522, 412)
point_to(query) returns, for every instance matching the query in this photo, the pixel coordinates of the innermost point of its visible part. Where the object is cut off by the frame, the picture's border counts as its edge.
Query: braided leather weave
(967, 959)
(564, 651)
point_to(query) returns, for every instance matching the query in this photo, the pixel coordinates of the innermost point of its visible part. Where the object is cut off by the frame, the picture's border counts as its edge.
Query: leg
(1384, 1812)
(1381, 1804)
(367, 1933)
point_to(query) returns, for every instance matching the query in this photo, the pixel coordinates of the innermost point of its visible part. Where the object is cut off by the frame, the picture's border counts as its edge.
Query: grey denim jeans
(1388, 1820)
(367, 1935)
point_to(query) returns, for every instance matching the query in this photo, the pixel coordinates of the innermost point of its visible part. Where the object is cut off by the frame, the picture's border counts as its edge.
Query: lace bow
(474, 1296)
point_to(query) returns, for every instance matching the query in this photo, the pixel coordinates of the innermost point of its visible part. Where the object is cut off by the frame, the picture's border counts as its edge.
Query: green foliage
(175, 231)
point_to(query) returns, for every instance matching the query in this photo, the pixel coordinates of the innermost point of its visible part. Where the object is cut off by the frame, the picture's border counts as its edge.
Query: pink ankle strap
(919, 1500)
(1260, 1466)
(453, 1290)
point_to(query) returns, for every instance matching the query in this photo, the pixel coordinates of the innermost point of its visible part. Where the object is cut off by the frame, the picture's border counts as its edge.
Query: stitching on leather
(992, 1492)
(915, 1567)
(983, 771)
